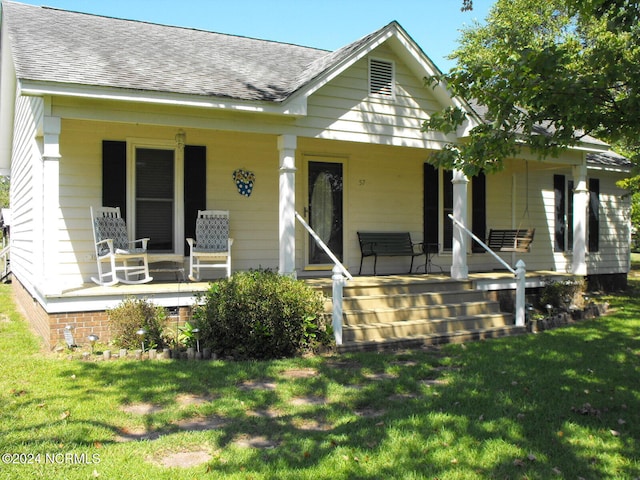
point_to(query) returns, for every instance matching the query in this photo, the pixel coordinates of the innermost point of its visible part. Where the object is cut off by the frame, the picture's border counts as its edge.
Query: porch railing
(4, 262)
(519, 272)
(340, 274)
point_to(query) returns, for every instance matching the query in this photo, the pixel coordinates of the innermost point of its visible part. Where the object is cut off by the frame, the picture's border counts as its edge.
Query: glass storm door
(154, 198)
(325, 188)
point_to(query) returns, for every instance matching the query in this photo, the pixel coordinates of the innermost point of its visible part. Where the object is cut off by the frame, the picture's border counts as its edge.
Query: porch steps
(387, 312)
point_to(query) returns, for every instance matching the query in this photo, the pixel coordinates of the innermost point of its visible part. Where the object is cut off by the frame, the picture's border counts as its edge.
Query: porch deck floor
(182, 288)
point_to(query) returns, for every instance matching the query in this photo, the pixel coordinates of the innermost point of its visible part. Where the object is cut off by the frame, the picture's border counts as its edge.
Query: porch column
(580, 203)
(287, 204)
(48, 237)
(459, 268)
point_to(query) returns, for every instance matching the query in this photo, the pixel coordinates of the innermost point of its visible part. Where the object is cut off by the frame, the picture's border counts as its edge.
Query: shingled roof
(62, 47)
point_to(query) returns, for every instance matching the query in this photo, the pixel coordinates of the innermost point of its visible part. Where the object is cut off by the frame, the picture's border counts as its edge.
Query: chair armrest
(109, 242)
(420, 246)
(230, 242)
(143, 241)
(191, 242)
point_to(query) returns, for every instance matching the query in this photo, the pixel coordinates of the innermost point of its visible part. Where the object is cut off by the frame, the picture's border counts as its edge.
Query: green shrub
(563, 294)
(260, 315)
(129, 317)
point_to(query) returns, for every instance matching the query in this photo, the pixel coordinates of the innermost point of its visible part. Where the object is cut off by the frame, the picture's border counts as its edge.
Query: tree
(542, 76)
(4, 191)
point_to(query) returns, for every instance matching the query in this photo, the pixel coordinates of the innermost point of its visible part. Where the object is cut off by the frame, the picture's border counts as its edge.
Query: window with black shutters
(437, 213)
(153, 191)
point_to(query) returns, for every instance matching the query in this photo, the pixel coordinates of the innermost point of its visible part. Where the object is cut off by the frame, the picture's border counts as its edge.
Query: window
(161, 187)
(381, 78)
(564, 216)
(560, 215)
(436, 181)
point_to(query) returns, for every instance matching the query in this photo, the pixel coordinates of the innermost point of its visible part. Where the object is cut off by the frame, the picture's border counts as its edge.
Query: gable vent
(381, 78)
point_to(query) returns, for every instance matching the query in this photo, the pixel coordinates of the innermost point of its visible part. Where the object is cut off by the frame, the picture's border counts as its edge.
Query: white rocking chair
(126, 261)
(212, 245)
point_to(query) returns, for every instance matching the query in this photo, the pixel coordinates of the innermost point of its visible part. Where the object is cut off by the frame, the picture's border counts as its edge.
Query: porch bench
(510, 240)
(388, 244)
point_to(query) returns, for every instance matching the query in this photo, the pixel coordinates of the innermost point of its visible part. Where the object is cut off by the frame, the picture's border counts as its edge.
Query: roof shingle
(59, 46)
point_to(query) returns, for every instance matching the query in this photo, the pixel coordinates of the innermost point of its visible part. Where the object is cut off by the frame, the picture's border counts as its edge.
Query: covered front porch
(376, 308)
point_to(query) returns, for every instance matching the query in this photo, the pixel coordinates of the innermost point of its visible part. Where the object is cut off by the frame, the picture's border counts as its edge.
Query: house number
(361, 182)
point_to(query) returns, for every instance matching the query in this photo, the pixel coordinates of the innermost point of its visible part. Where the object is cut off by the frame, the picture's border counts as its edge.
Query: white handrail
(4, 256)
(324, 247)
(338, 279)
(484, 245)
(520, 274)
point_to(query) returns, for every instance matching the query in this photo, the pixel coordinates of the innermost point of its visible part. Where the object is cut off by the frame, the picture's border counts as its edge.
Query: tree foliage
(4, 191)
(542, 76)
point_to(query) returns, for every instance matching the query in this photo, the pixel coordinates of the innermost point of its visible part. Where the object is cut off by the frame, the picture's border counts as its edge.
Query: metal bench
(388, 244)
(510, 240)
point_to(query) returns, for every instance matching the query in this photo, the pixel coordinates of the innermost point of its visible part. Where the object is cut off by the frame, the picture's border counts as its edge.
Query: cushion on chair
(115, 228)
(212, 234)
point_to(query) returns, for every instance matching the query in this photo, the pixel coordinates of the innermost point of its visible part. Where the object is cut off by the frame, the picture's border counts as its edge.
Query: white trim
(178, 205)
(36, 88)
(328, 158)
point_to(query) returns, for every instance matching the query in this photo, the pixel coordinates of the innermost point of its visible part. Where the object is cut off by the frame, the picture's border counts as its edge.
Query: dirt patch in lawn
(198, 424)
(265, 413)
(136, 435)
(184, 459)
(312, 425)
(310, 400)
(258, 385)
(255, 441)
(188, 399)
(141, 408)
(369, 412)
(299, 373)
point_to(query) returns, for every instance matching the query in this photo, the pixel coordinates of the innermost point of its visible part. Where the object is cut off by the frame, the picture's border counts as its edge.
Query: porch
(380, 311)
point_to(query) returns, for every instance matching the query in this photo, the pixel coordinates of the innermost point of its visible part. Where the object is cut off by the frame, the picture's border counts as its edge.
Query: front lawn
(561, 404)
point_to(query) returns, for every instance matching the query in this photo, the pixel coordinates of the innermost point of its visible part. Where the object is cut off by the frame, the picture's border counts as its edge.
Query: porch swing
(514, 240)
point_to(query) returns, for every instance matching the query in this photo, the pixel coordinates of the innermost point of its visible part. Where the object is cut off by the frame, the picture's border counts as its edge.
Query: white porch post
(48, 237)
(287, 204)
(459, 268)
(580, 203)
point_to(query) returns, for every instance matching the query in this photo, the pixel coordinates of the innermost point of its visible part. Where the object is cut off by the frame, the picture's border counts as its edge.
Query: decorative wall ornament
(244, 180)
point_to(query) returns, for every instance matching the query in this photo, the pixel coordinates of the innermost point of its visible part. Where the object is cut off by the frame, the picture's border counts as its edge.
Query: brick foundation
(50, 327)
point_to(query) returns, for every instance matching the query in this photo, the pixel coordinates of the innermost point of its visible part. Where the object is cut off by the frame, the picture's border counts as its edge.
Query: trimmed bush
(131, 315)
(563, 294)
(261, 315)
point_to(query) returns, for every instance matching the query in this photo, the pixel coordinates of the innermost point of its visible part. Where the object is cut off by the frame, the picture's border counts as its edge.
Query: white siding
(344, 110)
(26, 190)
(254, 219)
(615, 225)
(507, 208)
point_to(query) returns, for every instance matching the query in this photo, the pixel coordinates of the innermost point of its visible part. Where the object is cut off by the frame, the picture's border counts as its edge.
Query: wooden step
(419, 341)
(413, 328)
(405, 300)
(390, 312)
(425, 312)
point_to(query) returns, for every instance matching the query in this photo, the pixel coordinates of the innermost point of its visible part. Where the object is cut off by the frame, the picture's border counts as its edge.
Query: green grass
(560, 404)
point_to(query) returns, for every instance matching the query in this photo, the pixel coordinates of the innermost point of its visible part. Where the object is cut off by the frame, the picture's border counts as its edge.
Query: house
(95, 109)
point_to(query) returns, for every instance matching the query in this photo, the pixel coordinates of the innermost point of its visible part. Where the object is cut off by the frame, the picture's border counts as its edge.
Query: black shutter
(430, 210)
(570, 217)
(114, 175)
(447, 199)
(195, 186)
(479, 210)
(559, 196)
(594, 215)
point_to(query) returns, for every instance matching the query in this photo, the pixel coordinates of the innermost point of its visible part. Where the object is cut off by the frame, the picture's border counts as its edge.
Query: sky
(327, 24)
